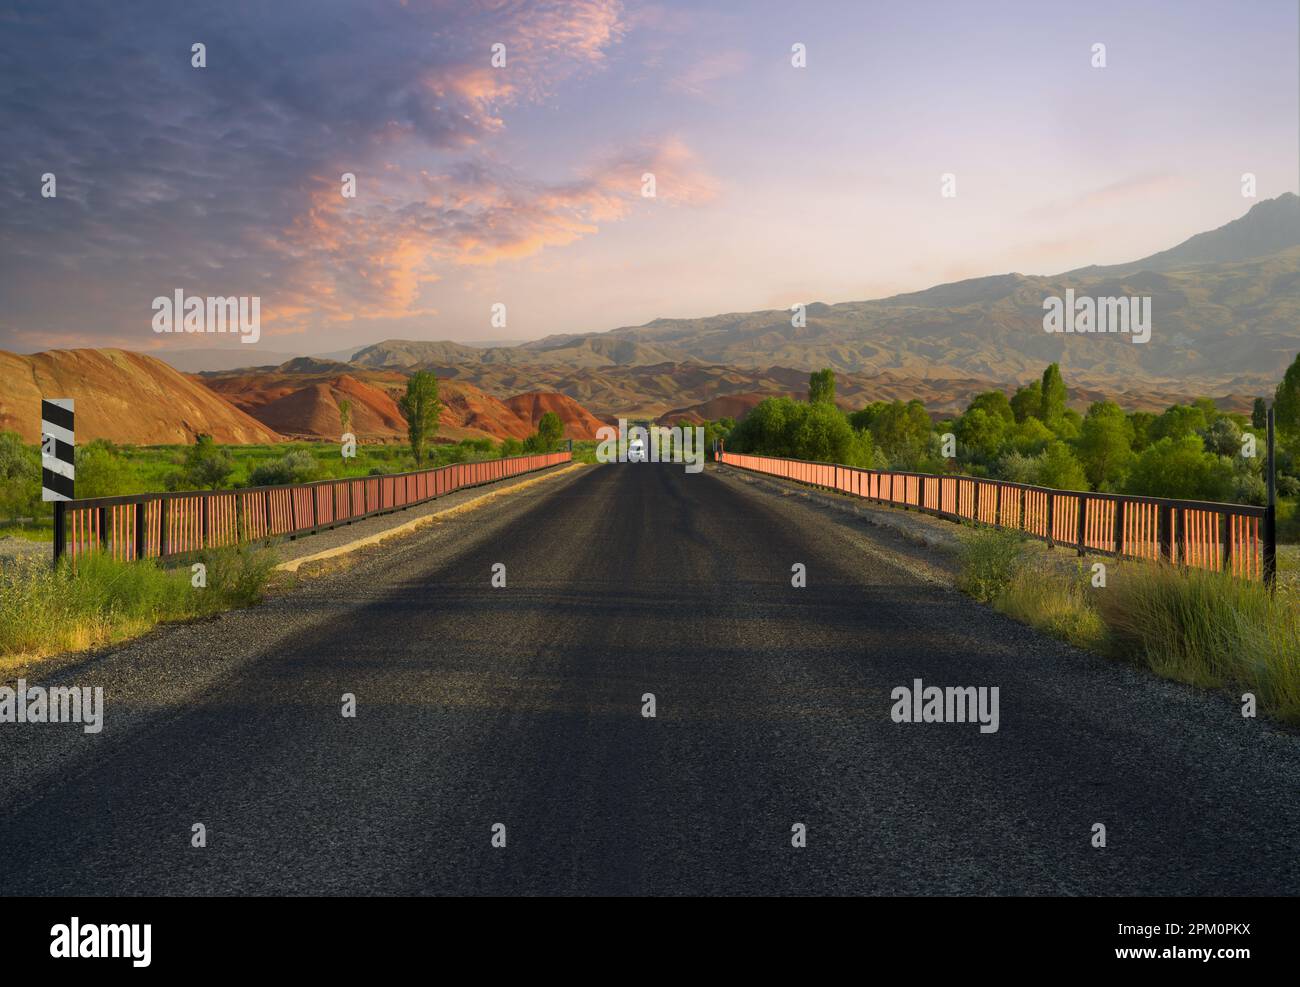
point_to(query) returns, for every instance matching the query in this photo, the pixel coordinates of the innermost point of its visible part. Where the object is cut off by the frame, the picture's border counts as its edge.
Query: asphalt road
(523, 706)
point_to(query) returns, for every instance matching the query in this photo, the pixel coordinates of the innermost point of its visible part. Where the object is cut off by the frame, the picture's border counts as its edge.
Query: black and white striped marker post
(58, 466)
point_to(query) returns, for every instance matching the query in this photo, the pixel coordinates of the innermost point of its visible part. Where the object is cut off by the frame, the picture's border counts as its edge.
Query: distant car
(636, 451)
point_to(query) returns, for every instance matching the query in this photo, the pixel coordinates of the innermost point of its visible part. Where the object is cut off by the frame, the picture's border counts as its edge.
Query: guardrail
(161, 525)
(1222, 537)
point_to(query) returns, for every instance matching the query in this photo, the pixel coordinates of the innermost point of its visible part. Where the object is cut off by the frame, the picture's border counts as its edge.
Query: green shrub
(989, 559)
(298, 466)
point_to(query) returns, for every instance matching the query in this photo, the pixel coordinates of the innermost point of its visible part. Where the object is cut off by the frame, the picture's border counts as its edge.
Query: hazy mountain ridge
(1225, 304)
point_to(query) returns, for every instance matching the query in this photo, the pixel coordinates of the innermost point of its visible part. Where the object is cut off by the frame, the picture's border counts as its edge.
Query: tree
(205, 465)
(981, 431)
(718, 431)
(994, 403)
(821, 387)
(1105, 444)
(822, 433)
(1286, 401)
(1053, 397)
(1057, 468)
(1223, 438)
(764, 428)
(1017, 467)
(550, 430)
(1031, 436)
(345, 414)
(1259, 414)
(864, 418)
(1179, 420)
(1028, 401)
(1141, 422)
(782, 427)
(20, 477)
(100, 470)
(902, 432)
(1180, 468)
(420, 407)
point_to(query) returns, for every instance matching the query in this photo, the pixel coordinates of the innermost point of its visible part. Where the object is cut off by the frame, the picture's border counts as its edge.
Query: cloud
(372, 256)
(212, 179)
(698, 76)
(1117, 192)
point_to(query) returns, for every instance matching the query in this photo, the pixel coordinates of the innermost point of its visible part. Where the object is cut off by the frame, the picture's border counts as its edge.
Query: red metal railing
(158, 525)
(1220, 537)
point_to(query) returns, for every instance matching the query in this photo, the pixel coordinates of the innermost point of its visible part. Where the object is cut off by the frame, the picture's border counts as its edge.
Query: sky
(523, 185)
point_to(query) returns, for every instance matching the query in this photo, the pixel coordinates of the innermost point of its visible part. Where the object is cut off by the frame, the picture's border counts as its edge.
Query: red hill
(579, 423)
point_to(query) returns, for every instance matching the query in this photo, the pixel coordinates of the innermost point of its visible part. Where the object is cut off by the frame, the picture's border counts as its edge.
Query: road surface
(523, 706)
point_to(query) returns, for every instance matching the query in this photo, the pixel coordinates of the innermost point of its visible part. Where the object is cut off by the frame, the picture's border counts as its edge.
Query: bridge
(502, 740)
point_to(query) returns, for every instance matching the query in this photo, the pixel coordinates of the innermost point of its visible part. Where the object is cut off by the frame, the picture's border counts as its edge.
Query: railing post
(140, 543)
(203, 519)
(266, 511)
(1020, 513)
(293, 514)
(102, 514)
(1166, 533)
(997, 505)
(1051, 519)
(1118, 532)
(1270, 508)
(1224, 525)
(164, 512)
(1082, 525)
(60, 529)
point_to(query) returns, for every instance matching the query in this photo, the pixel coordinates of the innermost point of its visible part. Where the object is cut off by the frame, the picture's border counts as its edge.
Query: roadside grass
(1211, 630)
(46, 611)
(584, 451)
(39, 529)
(1057, 602)
(1203, 628)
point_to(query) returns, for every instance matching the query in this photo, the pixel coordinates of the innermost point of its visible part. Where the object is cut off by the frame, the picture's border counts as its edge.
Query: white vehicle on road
(636, 450)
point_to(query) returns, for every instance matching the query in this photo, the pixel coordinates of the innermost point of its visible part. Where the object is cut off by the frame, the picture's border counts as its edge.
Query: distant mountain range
(1226, 317)
(194, 361)
(1225, 324)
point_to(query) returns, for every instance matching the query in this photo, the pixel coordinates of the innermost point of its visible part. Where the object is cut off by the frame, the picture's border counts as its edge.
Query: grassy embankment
(1203, 628)
(46, 611)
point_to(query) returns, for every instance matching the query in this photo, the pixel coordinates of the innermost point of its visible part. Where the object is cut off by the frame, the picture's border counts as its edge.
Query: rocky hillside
(301, 398)
(120, 396)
